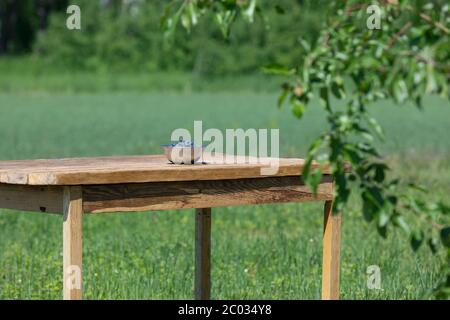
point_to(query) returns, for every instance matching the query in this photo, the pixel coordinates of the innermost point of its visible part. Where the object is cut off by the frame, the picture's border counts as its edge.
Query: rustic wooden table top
(136, 169)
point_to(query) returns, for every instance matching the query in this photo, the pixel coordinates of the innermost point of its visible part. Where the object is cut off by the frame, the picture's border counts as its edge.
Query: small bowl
(182, 155)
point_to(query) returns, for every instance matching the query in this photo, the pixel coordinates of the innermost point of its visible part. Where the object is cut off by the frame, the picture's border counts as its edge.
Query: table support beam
(203, 254)
(72, 243)
(331, 253)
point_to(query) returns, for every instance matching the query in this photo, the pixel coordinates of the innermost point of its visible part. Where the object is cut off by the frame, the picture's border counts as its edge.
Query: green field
(263, 252)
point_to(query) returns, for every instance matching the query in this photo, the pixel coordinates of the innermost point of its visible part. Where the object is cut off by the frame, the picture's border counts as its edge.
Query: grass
(62, 125)
(262, 252)
(29, 74)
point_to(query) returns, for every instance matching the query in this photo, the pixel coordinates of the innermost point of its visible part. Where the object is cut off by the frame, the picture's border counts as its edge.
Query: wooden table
(81, 186)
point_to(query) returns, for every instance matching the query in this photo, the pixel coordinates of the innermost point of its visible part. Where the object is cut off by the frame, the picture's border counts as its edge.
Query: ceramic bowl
(182, 155)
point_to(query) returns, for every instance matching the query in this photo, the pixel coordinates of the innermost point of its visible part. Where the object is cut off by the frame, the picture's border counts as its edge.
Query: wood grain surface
(202, 287)
(139, 169)
(331, 252)
(48, 199)
(72, 243)
(200, 194)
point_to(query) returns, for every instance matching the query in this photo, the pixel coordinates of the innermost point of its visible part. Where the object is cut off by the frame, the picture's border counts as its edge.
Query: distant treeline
(125, 35)
(22, 20)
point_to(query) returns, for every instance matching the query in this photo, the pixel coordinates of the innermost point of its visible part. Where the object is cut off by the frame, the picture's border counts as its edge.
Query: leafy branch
(347, 69)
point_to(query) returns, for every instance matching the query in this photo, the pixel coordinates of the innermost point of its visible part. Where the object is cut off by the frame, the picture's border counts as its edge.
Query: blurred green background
(124, 38)
(117, 87)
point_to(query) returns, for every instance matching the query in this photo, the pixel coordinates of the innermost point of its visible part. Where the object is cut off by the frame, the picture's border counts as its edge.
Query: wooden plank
(200, 194)
(331, 253)
(138, 169)
(72, 243)
(31, 198)
(203, 254)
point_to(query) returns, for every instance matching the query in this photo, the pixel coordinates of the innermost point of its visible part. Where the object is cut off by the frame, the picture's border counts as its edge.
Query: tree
(20, 20)
(125, 36)
(391, 49)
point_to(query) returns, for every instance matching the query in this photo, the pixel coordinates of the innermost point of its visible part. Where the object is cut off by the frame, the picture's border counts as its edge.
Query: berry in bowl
(182, 152)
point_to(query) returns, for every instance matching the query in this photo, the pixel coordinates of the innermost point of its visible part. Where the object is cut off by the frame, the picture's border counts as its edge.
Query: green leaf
(400, 91)
(279, 9)
(170, 23)
(315, 146)
(343, 192)
(380, 172)
(445, 236)
(367, 208)
(417, 205)
(417, 238)
(393, 200)
(417, 187)
(443, 208)
(305, 44)
(324, 98)
(383, 218)
(314, 179)
(382, 231)
(399, 221)
(433, 244)
(367, 148)
(186, 22)
(418, 101)
(224, 20)
(352, 154)
(277, 69)
(193, 13)
(337, 87)
(307, 168)
(376, 127)
(431, 80)
(166, 14)
(250, 11)
(298, 108)
(282, 97)
(375, 194)
(342, 56)
(336, 150)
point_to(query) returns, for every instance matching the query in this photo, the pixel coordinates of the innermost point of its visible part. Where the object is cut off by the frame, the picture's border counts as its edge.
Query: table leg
(203, 254)
(72, 243)
(331, 252)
